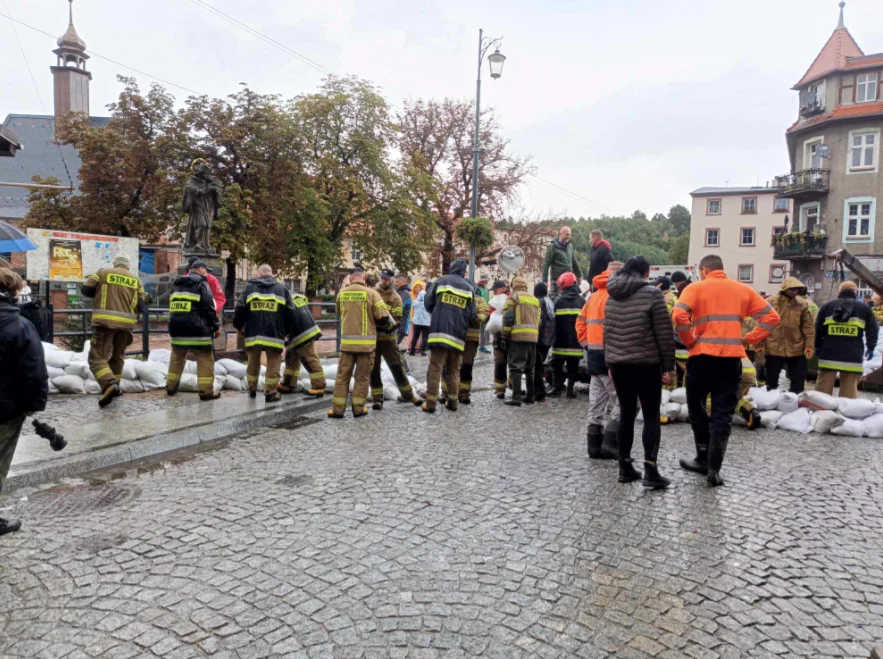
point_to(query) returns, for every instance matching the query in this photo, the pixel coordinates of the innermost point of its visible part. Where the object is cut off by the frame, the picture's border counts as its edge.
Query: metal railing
(154, 316)
(795, 246)
(806, 181)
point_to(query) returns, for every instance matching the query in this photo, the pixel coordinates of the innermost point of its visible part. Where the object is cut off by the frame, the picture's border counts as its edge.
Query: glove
(808, 353)
(869, 354)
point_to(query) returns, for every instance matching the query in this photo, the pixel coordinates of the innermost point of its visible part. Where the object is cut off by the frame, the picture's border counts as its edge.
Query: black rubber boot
(377, 405)
(113, 391)
(627, 472)
(652, 479)
(275, 397)
(594, 438)
(501, 395)
(529, 386)
(252, 393)
(609, 445)
(570, 392)
(9, 526)
(699, 464)
(211, 396)
(515, 401)
(752, 419)
(717, 448)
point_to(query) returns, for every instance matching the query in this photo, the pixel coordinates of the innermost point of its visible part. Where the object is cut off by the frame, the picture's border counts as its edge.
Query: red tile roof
(868, 62)
(841, 112)
(833, 57)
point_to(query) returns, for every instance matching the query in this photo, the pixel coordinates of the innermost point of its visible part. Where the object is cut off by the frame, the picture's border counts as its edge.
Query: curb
(44, 471)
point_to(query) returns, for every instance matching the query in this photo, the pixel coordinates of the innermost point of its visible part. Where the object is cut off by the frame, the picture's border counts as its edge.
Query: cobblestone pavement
(482, 533)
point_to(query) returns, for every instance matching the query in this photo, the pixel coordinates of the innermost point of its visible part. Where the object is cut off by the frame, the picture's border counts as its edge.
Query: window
(778, 231)
(777, 273)
(859, 222)
(863, 150)
(817, 93)
(746, 273)
(811, 158)
(781, 205)
(712, 237)
(749, 205)
(714, 207)
(866, 87)
(356, 254)
(746, 237)
(809, 217)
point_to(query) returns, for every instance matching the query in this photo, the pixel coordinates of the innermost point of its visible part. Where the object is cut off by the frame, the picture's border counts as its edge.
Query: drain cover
(296, 422)
(295, 481)
(80, 499)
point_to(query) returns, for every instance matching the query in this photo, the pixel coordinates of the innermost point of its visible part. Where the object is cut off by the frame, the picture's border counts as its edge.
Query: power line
(107, 59)
(572, 194)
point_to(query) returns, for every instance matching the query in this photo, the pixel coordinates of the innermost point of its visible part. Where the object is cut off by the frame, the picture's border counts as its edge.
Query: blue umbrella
(13, 240)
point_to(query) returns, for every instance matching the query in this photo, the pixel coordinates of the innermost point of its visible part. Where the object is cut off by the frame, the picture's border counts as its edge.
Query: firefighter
(473, 338)
(452, 305)
(843, 327)
(708, 318)
(193, 323)
(265, 316)
(500, 357)
(680, 282)
(603, 419)
(301, 349)
(362, 312)
(388, 349)
(566, 352)
(521, 329)
(745, 408)
(119, 296)
(878, 309)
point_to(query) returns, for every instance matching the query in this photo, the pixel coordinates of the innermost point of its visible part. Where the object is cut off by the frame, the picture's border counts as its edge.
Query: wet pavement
(482, 533)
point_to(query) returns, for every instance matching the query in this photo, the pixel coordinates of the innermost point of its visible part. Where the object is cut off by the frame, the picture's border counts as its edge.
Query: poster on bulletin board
(66, 256)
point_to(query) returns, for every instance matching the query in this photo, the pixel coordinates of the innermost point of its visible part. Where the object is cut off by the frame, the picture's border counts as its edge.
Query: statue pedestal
(215, 265)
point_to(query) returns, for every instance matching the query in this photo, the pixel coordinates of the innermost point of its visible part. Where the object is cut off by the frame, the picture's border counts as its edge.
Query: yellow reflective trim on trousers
(173, 376)
(377, 391)
(465, 386)
(338, 400)
(318, 375)
(358, 402)
(448, 342)
(357, 342)
(845, 367)
(205, 380)
(104, 372)
(291, 371)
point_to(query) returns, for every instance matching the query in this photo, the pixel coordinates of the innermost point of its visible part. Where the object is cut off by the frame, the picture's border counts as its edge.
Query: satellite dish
(511, 259)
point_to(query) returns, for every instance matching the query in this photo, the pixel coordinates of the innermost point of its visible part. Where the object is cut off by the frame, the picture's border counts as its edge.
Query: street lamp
(495, 61)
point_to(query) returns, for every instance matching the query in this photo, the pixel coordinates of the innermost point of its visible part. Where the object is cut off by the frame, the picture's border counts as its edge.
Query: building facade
(740, 225)
(835, 184)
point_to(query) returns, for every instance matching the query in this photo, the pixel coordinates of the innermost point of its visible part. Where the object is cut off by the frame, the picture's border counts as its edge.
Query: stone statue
(202, 199)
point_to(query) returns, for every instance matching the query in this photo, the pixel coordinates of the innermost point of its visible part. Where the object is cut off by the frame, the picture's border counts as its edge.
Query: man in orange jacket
(603, 419)
(708, 319)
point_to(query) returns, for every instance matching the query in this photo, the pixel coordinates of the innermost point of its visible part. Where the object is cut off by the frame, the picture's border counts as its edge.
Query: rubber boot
(314, 393)
(515, 401)
(652, 479)
(285, 387)
(214, 395)
(553, 392)
(451, 404)
(627, 471)
(275, 397)
(9, 526)
(109, 394)
(699, 464)
(570, 384)
(529, 396)
(334, 415)
(594, 438)
(609, 445)
(501, 395)
(717, 448)
(252, 393)
(752, 419)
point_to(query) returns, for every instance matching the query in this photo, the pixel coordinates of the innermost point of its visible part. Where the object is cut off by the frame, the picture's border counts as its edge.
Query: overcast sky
(629, 104)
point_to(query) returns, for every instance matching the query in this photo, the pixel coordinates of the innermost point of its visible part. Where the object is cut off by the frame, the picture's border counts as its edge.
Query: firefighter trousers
(205, 368)
(391, 354)
(522, 361)
(350, 362)
(465, 372)
(749, 379)
(501, 365)
(253, 370)
(443, 360)
(107, 352)
(306, 355)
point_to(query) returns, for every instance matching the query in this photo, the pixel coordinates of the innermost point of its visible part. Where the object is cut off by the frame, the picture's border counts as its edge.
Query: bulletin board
(66, 256)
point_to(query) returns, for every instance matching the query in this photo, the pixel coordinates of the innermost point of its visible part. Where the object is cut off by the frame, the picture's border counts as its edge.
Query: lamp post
(496, 61)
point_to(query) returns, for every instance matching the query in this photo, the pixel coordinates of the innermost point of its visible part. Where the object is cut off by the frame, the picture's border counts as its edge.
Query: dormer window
(866, 87)
(818, 93)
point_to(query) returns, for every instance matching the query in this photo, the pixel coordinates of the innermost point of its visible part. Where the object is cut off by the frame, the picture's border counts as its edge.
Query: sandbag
(739, 421)
(825, 421)
(188, 383)
(233, 384)
(55, 372)
(495, 322)
(132, 386)
(856, 408)
(70, 384)
(58, 358)
(770, 418)
(220, 381)
(220, 370)
(763, 399)
(817, 400)
(129, 372)
(684, 414)
(49, 346)
(391, 392)
(189, 366)
(800, 420)
(83, 355)
(162, 355)
(77, 368)
(671, 410)
(666, 397)
(153, 373)
(874, 426)
(92, 387)
(787, 403)
(233, 367)
(52, 388)
(850, 428)
(679, 395)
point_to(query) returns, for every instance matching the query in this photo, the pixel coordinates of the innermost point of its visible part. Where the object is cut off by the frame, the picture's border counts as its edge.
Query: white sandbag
(92, 387)
(129, 372)
(391, 392)
(763, 399)
(413, 380)
(684, 414)
(55, 372)
(640, 416)
(132, 386)
(233, 383)
(52, 388)
(262, 383)
(77, 368)
(770, 418)
(220, 381)
(151, 371)
(162, 355)
(495, 323)
(189, 367)
(787, 403)
(856, 408)
(825, 421)
(666, 397)
(874, 426)
(47, 347)
(83, 355)
(671, 410)
(739, 421)
(188, 383)
(331, 372)
(233, 367)
(679, 395)
(800, 420)
(817, 400)
(70, 384)
(58, 358)
(220, 370)
(850, 428)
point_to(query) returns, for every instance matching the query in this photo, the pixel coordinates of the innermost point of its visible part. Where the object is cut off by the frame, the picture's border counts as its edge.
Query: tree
(436, 142)
(680, 250)
(679, 217)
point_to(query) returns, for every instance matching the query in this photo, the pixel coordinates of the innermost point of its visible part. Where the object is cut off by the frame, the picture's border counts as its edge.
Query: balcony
(803, 184)
(799, 246)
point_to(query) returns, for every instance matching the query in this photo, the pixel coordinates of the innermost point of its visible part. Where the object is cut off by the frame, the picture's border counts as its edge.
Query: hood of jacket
(605, 243)
(267, 281)
(844, 306)
(791, 282)
(414, 291)
(572, 291)
(458, 267)
(9, 313)
(622, 286)
(191, 280)
(600, 281)
(519, 284)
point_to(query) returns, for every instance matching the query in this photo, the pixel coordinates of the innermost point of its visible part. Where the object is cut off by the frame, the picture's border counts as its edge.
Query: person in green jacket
(560, 258)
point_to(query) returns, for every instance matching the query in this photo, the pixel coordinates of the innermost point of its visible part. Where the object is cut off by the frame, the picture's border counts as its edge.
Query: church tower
(70, 75)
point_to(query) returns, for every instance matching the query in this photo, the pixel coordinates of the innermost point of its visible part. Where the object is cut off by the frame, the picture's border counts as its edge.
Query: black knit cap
(678, 276)
(664, 281)
(499, 284)
(387, 274)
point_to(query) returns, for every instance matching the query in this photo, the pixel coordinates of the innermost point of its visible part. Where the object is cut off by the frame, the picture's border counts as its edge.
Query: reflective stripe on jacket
(118, 297)
(192, 317)
(708, 316)
(521, 315)
(567, 309)
(843, 327)
(265, 314)
(393, 301)
(451, 303)
(360, 309)
(306, 329)
(590, 325)
(482, 312)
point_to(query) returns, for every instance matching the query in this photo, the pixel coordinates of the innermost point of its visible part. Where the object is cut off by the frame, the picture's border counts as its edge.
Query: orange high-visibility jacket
(590, 322)
(708, 316)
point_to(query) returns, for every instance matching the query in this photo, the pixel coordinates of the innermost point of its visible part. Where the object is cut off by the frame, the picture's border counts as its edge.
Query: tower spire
(71, 12)
(840, 25)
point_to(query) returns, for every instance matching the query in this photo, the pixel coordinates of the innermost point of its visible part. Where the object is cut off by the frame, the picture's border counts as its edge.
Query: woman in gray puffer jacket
(640, 351)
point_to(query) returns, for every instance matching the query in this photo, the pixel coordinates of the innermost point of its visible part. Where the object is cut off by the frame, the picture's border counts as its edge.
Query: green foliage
(477, 230)
(680, 249)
